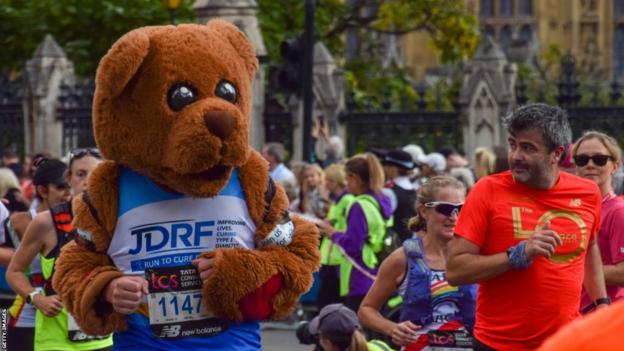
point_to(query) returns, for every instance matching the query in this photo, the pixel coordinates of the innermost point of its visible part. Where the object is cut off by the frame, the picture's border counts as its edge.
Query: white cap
(416, 152)
(436, 161)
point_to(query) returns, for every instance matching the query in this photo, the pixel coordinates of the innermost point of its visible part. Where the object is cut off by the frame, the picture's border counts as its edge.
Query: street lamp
(172, 5)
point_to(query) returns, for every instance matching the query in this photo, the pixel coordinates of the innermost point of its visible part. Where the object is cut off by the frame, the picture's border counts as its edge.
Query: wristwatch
(602, 301)
(31, 296)
(593, 305)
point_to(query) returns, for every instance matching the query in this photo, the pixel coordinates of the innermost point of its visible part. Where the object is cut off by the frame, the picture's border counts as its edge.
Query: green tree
(452, 28)
(84, 28)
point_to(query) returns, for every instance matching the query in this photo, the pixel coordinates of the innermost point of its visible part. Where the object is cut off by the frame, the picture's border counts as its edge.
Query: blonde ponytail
(376, 173)
(358, 342)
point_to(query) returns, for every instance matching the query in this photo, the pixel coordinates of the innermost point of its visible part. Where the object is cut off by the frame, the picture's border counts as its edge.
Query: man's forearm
(614, 274)
(467, 268)
(594, 281)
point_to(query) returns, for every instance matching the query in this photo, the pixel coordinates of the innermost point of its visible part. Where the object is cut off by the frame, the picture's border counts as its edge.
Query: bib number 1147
(172, 305)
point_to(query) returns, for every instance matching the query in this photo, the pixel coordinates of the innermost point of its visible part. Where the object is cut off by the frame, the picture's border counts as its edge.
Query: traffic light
(286, 77)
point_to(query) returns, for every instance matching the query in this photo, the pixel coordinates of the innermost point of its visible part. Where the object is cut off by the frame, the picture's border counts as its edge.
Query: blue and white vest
(156, 228)
(417, 306)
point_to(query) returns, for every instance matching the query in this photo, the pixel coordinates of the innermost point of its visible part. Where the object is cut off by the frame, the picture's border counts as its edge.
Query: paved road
(281, 340)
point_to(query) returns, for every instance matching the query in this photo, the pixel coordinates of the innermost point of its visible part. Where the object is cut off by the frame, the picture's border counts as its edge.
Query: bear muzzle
(219, 123)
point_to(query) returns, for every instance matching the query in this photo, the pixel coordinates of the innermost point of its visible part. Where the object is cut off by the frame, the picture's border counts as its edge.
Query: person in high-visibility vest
(47, 233)
(366, 226)
(338, 329)
(331, 257)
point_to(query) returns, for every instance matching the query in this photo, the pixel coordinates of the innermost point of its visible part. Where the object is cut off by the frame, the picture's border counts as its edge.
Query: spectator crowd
(420, 249)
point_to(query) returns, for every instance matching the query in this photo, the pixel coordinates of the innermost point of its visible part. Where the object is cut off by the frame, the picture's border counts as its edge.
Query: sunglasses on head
(445, 208)
(82, 152)
(598, 160)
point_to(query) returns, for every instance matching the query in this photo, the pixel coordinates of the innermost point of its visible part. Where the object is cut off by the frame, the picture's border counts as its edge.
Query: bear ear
(239, 41)
(122, 62)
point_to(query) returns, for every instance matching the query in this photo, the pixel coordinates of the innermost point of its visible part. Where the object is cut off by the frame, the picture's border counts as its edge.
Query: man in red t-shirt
(527, 236)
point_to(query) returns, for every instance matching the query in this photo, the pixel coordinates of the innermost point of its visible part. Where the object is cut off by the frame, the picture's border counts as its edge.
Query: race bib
(74, 334)
(449, 340)
(175, 308)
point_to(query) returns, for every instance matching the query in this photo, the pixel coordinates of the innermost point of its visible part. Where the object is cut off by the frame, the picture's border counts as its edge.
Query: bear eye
(226, 91)
(181, 95)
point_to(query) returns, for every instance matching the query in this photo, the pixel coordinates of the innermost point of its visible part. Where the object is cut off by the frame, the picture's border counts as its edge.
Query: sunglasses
(82, 152)
(445, 208)
(63, 186)
(598, 160)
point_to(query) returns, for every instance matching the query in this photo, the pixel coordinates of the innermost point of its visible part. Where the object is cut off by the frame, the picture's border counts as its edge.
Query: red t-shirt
(519, 309)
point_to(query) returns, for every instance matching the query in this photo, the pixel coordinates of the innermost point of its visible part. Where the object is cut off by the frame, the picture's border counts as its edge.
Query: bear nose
(219, 123)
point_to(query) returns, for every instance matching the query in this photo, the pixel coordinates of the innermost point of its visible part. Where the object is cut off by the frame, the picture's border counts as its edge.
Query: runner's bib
(449, 340)
(74, 334)
(175, 308)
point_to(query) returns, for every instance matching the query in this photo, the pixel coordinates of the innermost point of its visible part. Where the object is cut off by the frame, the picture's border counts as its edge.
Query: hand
(205, 266)
(48, 305)
(315, 128)
(326, 228)
(126, 293)
(542, 243)
(324, 129)
(404, 333)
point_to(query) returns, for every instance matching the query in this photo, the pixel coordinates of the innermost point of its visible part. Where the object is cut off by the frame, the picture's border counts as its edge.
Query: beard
(535, 175)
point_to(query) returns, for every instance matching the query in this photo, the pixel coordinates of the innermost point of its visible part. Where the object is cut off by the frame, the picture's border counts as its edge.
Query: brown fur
(135, 128)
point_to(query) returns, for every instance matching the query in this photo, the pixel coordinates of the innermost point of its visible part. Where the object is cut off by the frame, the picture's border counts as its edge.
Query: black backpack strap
(62, 216)
(87, 200)
(83, 238)
(269, 194)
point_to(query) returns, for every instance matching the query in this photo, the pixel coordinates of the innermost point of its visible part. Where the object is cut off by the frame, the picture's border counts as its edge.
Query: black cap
(51, 171)
(379, 152)
(399, 158)
(334, 319)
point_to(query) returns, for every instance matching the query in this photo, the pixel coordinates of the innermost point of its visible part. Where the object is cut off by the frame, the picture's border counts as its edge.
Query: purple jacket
(353, 240)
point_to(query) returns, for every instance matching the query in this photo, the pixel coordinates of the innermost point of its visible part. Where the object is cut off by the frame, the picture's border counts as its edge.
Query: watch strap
(593, 305)
(31, 296)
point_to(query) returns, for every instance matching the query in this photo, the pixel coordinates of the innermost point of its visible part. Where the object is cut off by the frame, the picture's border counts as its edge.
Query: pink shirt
(611, 241)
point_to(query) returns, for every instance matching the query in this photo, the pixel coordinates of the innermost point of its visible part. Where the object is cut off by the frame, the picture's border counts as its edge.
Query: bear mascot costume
(183, 242)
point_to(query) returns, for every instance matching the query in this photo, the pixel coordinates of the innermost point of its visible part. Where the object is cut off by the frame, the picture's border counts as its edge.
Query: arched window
(487, 8)
(506, 8)
(526, 33)
(505, 38)
(526, 7)
(618, 7)
(618, 52)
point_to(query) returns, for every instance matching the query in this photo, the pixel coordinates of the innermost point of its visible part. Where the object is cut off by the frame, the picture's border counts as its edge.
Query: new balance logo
(576, 203)
(170, 331)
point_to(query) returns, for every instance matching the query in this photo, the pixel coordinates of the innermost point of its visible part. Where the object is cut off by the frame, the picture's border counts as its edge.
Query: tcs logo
(176, 234)
(166, 281)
